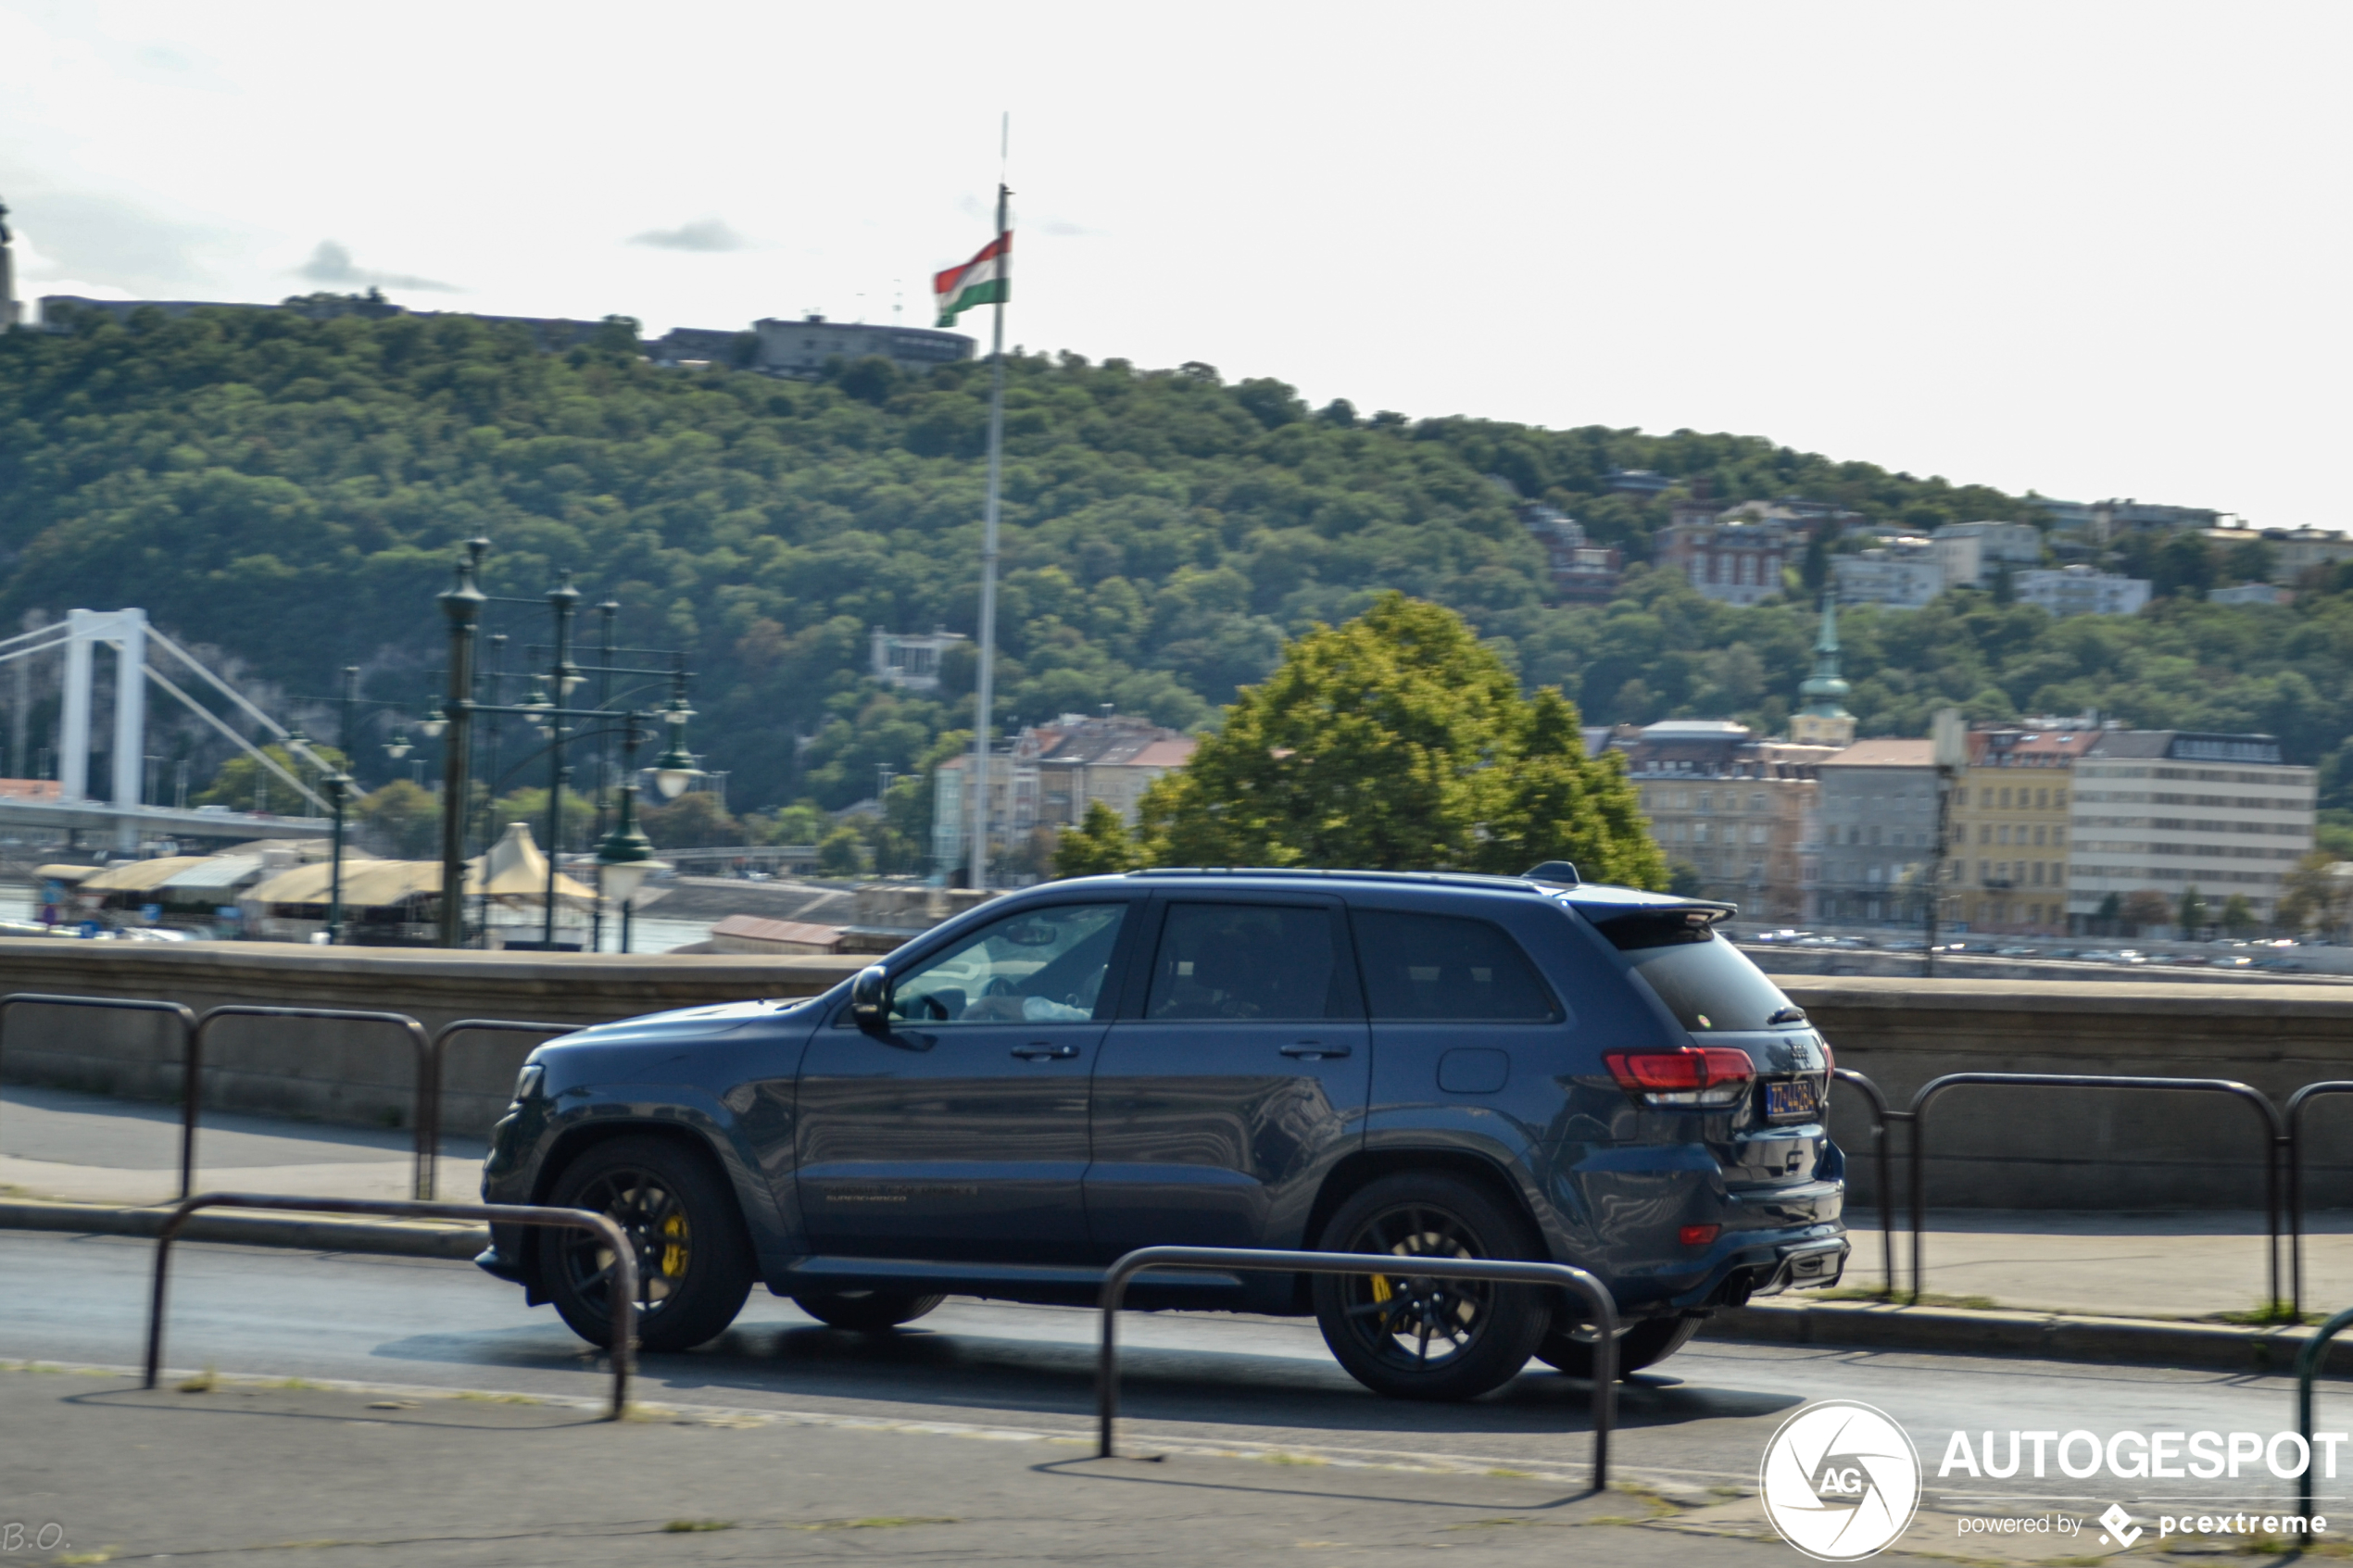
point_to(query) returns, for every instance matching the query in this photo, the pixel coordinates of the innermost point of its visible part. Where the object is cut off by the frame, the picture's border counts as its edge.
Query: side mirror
(870, 997)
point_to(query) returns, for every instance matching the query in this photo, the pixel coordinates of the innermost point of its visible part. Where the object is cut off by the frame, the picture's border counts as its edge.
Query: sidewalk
(85, 1149)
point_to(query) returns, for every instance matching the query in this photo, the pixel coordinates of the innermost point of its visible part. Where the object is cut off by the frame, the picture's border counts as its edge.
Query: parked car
(1416, 1065)
(2015, 952)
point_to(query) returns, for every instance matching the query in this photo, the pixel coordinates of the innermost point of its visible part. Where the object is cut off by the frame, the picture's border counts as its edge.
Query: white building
(912, 662)
(1904, 573)
(2080, 590)
(801, 348)
(1976, 552)
(2250, 594)
(2172, 810)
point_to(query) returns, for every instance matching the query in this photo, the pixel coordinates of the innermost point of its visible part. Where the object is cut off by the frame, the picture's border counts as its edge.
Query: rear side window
(1442, 968)
(1245, 961)
(1705, 982)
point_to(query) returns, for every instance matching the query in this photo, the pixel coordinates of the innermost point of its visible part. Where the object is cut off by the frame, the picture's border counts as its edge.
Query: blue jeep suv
(1423, 1065)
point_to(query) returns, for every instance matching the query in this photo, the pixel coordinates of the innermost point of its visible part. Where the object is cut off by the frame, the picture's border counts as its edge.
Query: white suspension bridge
(129, 815)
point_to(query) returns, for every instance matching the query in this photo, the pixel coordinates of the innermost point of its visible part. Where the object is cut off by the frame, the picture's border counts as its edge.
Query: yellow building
(2009, 833)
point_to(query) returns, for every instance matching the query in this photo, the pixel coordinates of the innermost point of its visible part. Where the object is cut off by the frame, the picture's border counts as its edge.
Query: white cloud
(332, 263)
(702, 234)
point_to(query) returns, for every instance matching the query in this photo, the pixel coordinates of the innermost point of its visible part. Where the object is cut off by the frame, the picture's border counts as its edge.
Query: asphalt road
(1195, 1382)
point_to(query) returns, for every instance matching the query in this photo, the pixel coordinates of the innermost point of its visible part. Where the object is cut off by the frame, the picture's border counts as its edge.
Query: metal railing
(1245, 1259)
(401, 1021)
(622, 1288)
(1883, 1119)
(429, 1089)
(2275, 1136)
(2308, 1367)
(2295, 1104)
(191, 1056)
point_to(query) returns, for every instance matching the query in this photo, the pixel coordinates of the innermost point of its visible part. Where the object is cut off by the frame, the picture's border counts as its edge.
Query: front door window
(1042, 966)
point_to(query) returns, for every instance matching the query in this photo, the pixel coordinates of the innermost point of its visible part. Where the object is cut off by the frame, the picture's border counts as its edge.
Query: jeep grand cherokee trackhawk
(1428, 1065)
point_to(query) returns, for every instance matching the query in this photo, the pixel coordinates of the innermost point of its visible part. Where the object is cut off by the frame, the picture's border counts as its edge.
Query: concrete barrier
(353, 1075)
(1990, 1148)
(2021, 1148)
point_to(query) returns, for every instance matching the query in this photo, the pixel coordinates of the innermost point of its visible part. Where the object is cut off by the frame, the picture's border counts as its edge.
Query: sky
(2090, 249)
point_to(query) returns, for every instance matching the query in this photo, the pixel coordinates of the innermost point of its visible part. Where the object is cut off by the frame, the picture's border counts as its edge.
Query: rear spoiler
(1658, 925)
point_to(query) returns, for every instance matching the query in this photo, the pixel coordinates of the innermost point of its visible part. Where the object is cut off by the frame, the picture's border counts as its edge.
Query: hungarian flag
(982, 281)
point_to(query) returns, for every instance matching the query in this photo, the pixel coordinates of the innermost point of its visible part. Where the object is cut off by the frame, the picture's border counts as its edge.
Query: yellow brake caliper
(673, 1247)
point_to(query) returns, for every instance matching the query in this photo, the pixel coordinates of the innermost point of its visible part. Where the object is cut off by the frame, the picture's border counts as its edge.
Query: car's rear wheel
(1643, 1343)
(1415, 1336)
(866, 1312)
(694, 1262)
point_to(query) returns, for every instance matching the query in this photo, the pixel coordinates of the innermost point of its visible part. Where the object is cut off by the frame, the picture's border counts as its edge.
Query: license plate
(1789, 1097)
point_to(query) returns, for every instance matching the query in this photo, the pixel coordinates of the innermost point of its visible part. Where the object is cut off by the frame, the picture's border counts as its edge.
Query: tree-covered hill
(291, 490)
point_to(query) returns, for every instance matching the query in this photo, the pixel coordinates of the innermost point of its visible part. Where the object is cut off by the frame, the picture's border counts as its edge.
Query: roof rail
(1459, 879)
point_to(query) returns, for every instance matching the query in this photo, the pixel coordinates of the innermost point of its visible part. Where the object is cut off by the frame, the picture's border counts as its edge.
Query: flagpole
(986, 696)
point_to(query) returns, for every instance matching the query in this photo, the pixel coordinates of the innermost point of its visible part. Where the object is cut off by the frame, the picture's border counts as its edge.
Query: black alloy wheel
(694, 1262)
(1414, 1336)
(865, 1312)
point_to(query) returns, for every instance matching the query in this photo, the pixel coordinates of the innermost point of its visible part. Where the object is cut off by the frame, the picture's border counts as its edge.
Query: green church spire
(1823, 721)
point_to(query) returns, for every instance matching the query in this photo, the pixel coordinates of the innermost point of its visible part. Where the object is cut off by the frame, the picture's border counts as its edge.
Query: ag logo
(1840, 1481)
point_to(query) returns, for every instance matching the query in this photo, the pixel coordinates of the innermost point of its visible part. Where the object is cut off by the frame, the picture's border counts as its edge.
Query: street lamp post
(626, 856)
(561, 600)
(338, 787)
(1949, 745)
(463, 605)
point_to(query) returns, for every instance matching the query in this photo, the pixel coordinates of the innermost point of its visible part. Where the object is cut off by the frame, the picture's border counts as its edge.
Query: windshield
(1705, 982)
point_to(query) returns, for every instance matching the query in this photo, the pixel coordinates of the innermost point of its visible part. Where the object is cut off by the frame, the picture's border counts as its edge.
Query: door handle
(1314, 1050)
(1040, 1052)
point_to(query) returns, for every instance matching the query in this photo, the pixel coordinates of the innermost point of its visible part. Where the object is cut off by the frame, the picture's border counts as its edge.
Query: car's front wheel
(694, 1262)
(1414, 1336)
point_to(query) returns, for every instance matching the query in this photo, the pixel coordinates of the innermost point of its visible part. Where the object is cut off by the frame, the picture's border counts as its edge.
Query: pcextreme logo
(1840, 1481)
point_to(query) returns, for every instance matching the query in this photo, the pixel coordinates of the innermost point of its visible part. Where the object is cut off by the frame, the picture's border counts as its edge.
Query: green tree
(2239, 915)
(404, 820)
(1099, 846)
(841, 852)
(2189, 915)
(804, 822)
(691, 821)
(2144, 907)
(1397, 741)
(2110, 913)
(243, 784)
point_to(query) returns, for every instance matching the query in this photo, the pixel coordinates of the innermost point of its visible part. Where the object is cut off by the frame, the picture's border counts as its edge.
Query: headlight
(529, 1081)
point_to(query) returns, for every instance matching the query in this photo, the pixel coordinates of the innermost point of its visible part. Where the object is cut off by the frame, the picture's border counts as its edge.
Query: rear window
(1439, 967)
(1705, 982)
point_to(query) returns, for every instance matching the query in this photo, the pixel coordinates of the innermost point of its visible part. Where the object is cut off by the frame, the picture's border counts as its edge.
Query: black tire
(866, 1312)
(1423, 1338)
(1646, 1344)
(694, 1261)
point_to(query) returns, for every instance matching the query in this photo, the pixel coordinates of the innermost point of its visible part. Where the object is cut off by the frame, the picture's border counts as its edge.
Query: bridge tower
(126, 632)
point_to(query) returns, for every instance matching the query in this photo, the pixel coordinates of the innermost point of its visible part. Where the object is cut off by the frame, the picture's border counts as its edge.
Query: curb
(2055, 1336)
(406, 1239)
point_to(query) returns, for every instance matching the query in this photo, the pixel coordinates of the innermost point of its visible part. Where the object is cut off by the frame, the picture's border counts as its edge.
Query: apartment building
(1904, 574)
(1733, 808)
(2079, 590)
(2007, 866)
(1873, 837)
(2172, 810)
(1737, 562)
(1976, 552)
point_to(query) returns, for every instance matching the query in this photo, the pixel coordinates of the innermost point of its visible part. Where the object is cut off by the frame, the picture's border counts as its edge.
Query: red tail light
(1698, 1235)
(1693, 1067)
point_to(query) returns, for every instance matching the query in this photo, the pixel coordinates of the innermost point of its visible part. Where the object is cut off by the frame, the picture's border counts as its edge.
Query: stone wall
(1989, 1148)
(351, 1072)
(2090, 1148)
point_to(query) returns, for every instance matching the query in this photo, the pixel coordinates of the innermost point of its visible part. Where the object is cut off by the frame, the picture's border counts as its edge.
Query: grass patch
(203, 1382)
(695, 1527)
(1512, 1474)
(495, 1398)
(887, 1521)
(2266, 1315)
(1293, 1458)
(1905, 1298)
